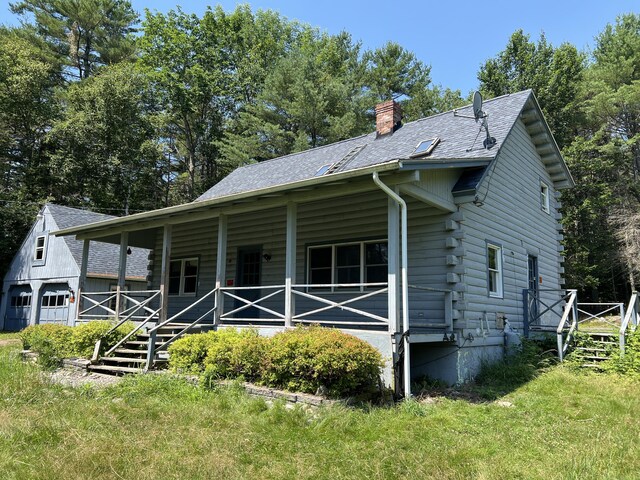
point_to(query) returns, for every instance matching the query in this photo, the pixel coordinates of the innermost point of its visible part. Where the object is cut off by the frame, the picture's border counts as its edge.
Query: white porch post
(393, 228)
(164, 273)
(122, 270)
(84, 265)
(290, 265)
(221, 267)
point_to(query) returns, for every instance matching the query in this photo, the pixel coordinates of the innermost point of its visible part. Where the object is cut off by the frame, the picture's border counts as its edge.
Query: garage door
(54, 304)
(19, 308)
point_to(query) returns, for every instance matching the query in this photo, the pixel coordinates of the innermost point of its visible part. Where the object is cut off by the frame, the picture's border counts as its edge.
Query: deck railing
(568, 323)
(135, 305)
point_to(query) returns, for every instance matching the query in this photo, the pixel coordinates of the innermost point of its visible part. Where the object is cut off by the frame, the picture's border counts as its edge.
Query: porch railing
(135, 305)
(329, 301)
(248, 306)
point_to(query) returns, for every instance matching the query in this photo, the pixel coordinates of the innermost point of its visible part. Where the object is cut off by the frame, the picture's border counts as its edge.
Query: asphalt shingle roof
(460, 139)
(103, 257)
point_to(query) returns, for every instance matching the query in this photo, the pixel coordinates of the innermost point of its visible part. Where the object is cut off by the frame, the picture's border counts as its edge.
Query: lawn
(561, 425)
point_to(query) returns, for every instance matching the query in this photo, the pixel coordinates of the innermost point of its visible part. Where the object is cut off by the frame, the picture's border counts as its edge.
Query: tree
(86, 33)
(554, 74)
(107, 156)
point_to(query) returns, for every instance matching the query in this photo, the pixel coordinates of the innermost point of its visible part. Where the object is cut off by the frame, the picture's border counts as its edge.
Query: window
(425, 147)
(41, 249)
(348, 263)
(183, 276)
(21, 301)
(55, 300)
(494, 270)
(544, 197)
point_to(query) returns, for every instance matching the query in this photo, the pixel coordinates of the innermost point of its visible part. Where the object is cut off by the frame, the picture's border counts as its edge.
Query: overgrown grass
(562, 425)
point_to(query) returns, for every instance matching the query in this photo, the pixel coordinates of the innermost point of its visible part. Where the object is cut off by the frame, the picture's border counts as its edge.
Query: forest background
(104, 109)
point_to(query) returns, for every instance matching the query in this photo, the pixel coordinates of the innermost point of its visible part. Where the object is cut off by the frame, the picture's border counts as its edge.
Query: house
(419, 238)
(42, 282)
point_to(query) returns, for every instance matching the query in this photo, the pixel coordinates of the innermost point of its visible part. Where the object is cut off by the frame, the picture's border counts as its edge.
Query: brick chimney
(388, 117)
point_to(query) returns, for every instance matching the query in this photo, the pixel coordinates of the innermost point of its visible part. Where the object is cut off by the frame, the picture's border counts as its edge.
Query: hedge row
(54, 342)
(303, 359)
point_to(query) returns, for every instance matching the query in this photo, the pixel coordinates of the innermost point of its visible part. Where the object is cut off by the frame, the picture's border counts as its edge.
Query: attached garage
(54, 304)
(18, 308)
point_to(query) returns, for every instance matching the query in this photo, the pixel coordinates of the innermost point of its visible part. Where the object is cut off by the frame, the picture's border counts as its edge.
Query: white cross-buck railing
(135, 305)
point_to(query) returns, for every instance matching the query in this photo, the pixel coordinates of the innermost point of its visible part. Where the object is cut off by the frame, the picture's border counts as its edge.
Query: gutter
(405, 283)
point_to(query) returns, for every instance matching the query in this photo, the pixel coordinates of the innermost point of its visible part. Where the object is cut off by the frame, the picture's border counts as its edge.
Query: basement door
(19, 308)
(54, 304)
(248, 275)
(533, 288)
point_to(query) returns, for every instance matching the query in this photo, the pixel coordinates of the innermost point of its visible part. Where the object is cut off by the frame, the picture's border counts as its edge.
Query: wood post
(84, 266)
(221, 267)
(290, 263)
(164, 273)
(122, 271)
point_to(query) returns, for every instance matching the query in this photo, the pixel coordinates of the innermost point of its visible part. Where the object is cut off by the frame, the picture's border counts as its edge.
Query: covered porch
(330, 256)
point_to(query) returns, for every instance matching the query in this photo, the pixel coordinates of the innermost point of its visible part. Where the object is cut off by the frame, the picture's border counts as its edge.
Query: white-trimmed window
(544, 197)
(183, 276)
(494, 270)
(347, 263)
(40, 251)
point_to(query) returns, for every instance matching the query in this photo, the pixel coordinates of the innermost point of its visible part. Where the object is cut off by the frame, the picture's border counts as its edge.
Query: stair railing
(569, 312)
(140, 305)
(631, 317)
(153, 333)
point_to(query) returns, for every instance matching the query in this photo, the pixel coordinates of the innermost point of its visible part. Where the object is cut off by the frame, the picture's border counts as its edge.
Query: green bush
(50, 341)
(235, 354)
(87, 334)
(629, 363)
(187, 354)
(306, 359)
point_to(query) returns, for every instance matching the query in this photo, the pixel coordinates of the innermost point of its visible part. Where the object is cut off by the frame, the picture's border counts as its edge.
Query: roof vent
(388, 117)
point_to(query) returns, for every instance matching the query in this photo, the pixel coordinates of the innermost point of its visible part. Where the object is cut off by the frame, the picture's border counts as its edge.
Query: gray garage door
(54, 304)
(19, 308)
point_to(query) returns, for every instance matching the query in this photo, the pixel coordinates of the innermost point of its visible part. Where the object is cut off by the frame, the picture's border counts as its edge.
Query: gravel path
(76, 378)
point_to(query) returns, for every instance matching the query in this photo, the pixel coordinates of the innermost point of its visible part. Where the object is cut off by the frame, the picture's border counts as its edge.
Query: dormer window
(40, 252)
(425, 147)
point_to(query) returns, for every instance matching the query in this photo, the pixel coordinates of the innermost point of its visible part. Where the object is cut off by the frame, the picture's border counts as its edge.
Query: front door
(248, 275)
(533, 290)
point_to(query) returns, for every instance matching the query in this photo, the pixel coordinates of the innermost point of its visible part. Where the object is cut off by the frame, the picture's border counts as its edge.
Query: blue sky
(454, 37)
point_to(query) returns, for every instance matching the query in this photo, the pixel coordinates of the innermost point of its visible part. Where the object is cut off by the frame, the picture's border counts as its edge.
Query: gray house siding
(512, 217)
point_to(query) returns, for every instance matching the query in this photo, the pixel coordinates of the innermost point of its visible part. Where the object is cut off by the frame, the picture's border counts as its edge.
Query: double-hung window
(40, 251)
(544, 197)
(494, 270)
(352, 265)
(183, 276)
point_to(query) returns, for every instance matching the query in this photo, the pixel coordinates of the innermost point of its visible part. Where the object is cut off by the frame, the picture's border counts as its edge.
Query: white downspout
(405, 285)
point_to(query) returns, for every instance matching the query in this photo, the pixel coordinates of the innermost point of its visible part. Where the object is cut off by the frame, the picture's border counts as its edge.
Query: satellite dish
(477, 106)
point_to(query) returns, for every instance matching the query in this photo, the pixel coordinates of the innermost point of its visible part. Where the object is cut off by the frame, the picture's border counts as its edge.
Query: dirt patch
(9, 341)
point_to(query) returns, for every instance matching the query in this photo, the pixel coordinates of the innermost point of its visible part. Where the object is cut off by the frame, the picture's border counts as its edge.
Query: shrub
(86, 335)
(306, 359)
(629, 363)
(50, 341)
(187, 354)
(234, 353)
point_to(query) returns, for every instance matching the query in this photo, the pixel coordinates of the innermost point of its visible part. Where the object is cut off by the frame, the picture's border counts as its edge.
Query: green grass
(9, 335)
(562, 425)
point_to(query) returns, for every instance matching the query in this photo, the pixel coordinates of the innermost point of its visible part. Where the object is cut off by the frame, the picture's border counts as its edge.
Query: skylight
(323, 169)
(425, 147)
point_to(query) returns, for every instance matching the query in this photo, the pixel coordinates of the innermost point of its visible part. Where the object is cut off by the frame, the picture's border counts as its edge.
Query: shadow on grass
(497, 379)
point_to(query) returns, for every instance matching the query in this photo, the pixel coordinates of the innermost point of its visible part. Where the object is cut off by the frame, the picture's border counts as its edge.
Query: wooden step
(114, 369)
(131, 351)
(589, 349)
(592, 357)
(123, 359)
